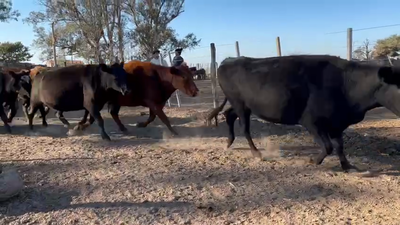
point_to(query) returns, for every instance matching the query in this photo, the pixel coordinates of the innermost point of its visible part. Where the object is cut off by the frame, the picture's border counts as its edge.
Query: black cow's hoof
(174, 133)
(229, 143)
(8, 128)
(348, 168)
(141, 124)
(125, 131)
(77, 127)
(105, 137)
(44, 124)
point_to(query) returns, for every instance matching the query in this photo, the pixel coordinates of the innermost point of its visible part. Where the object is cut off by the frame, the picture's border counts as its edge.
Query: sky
(302, 26)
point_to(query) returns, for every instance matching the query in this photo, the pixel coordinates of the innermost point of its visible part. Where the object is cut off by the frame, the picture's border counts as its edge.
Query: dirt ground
(148, 177)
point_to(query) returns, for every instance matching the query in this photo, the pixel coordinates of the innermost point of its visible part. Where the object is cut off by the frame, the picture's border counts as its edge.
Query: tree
(14, 52)
(103, 28)
(389, 46)
(66, 32)
(151, 31)
(363, 52)
(121, 25)
(6, 13)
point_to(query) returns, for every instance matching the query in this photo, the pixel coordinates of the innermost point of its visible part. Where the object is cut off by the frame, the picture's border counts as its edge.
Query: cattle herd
(325, 94)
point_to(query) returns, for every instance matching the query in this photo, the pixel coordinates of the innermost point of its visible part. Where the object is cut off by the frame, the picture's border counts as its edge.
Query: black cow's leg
(244, 116)
(95, 112)
(43, 115)
(32, 111)
(91, 119)
(12, 112)
(231, 117)
(25, 108)
(46, 110)
(82, 124)
(114, 114)
(152, 117)
(338, 142)
(324, 140)
(158, 110)
(4, 119)
(61, 117)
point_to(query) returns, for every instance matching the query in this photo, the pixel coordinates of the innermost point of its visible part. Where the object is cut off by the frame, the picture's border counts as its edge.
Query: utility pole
(349, 43)
(54, 43)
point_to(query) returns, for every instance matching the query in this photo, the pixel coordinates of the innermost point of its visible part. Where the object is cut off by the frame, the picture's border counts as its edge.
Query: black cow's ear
(14, 74)
(387, 75)
(104, 67)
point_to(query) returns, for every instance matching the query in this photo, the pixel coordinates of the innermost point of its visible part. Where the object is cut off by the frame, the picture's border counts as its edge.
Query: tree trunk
(120, 29)
(121, 42)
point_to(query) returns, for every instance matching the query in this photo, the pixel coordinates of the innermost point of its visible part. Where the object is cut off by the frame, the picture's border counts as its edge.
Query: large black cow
(9, 86)
(74, 88)
(324, 94)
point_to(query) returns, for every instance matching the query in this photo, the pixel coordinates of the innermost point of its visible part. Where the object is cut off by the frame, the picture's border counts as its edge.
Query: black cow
(75, 88)
(324, 94)
(9, 86)
(198, 74)
(23, 95)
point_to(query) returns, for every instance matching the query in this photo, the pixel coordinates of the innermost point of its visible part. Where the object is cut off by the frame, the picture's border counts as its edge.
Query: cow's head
(18, 79)
(387, 92)
(183, 80)
(114, 77)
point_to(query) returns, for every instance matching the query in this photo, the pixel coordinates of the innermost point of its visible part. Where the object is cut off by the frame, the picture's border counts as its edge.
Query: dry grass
(148, 178)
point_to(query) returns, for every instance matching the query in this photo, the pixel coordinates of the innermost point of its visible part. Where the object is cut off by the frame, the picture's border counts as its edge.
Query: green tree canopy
(99, 30)
(6, 12)
(388, 46)
(14, 52)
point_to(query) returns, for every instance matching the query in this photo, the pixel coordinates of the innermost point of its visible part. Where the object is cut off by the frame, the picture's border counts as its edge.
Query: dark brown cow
(198, 74)
(151, 86)
(75, 88)
(24, 93)
(9, 87)
(12, 103)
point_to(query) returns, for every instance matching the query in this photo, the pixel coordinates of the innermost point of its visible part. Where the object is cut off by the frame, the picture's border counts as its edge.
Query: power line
(215, 46)
(367, 28)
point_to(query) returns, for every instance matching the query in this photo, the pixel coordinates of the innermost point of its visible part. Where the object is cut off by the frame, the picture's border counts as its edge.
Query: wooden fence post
(213, 73)
(237, 49)
(349, 43)
(278, 46)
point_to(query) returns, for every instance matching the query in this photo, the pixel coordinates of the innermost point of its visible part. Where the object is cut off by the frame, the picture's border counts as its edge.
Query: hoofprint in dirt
(148, 178)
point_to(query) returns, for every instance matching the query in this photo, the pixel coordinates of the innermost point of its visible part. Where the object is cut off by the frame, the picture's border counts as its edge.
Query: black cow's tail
(214, 113)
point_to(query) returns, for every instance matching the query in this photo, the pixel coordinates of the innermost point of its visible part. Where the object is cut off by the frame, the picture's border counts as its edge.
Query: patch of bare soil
(147, 177)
